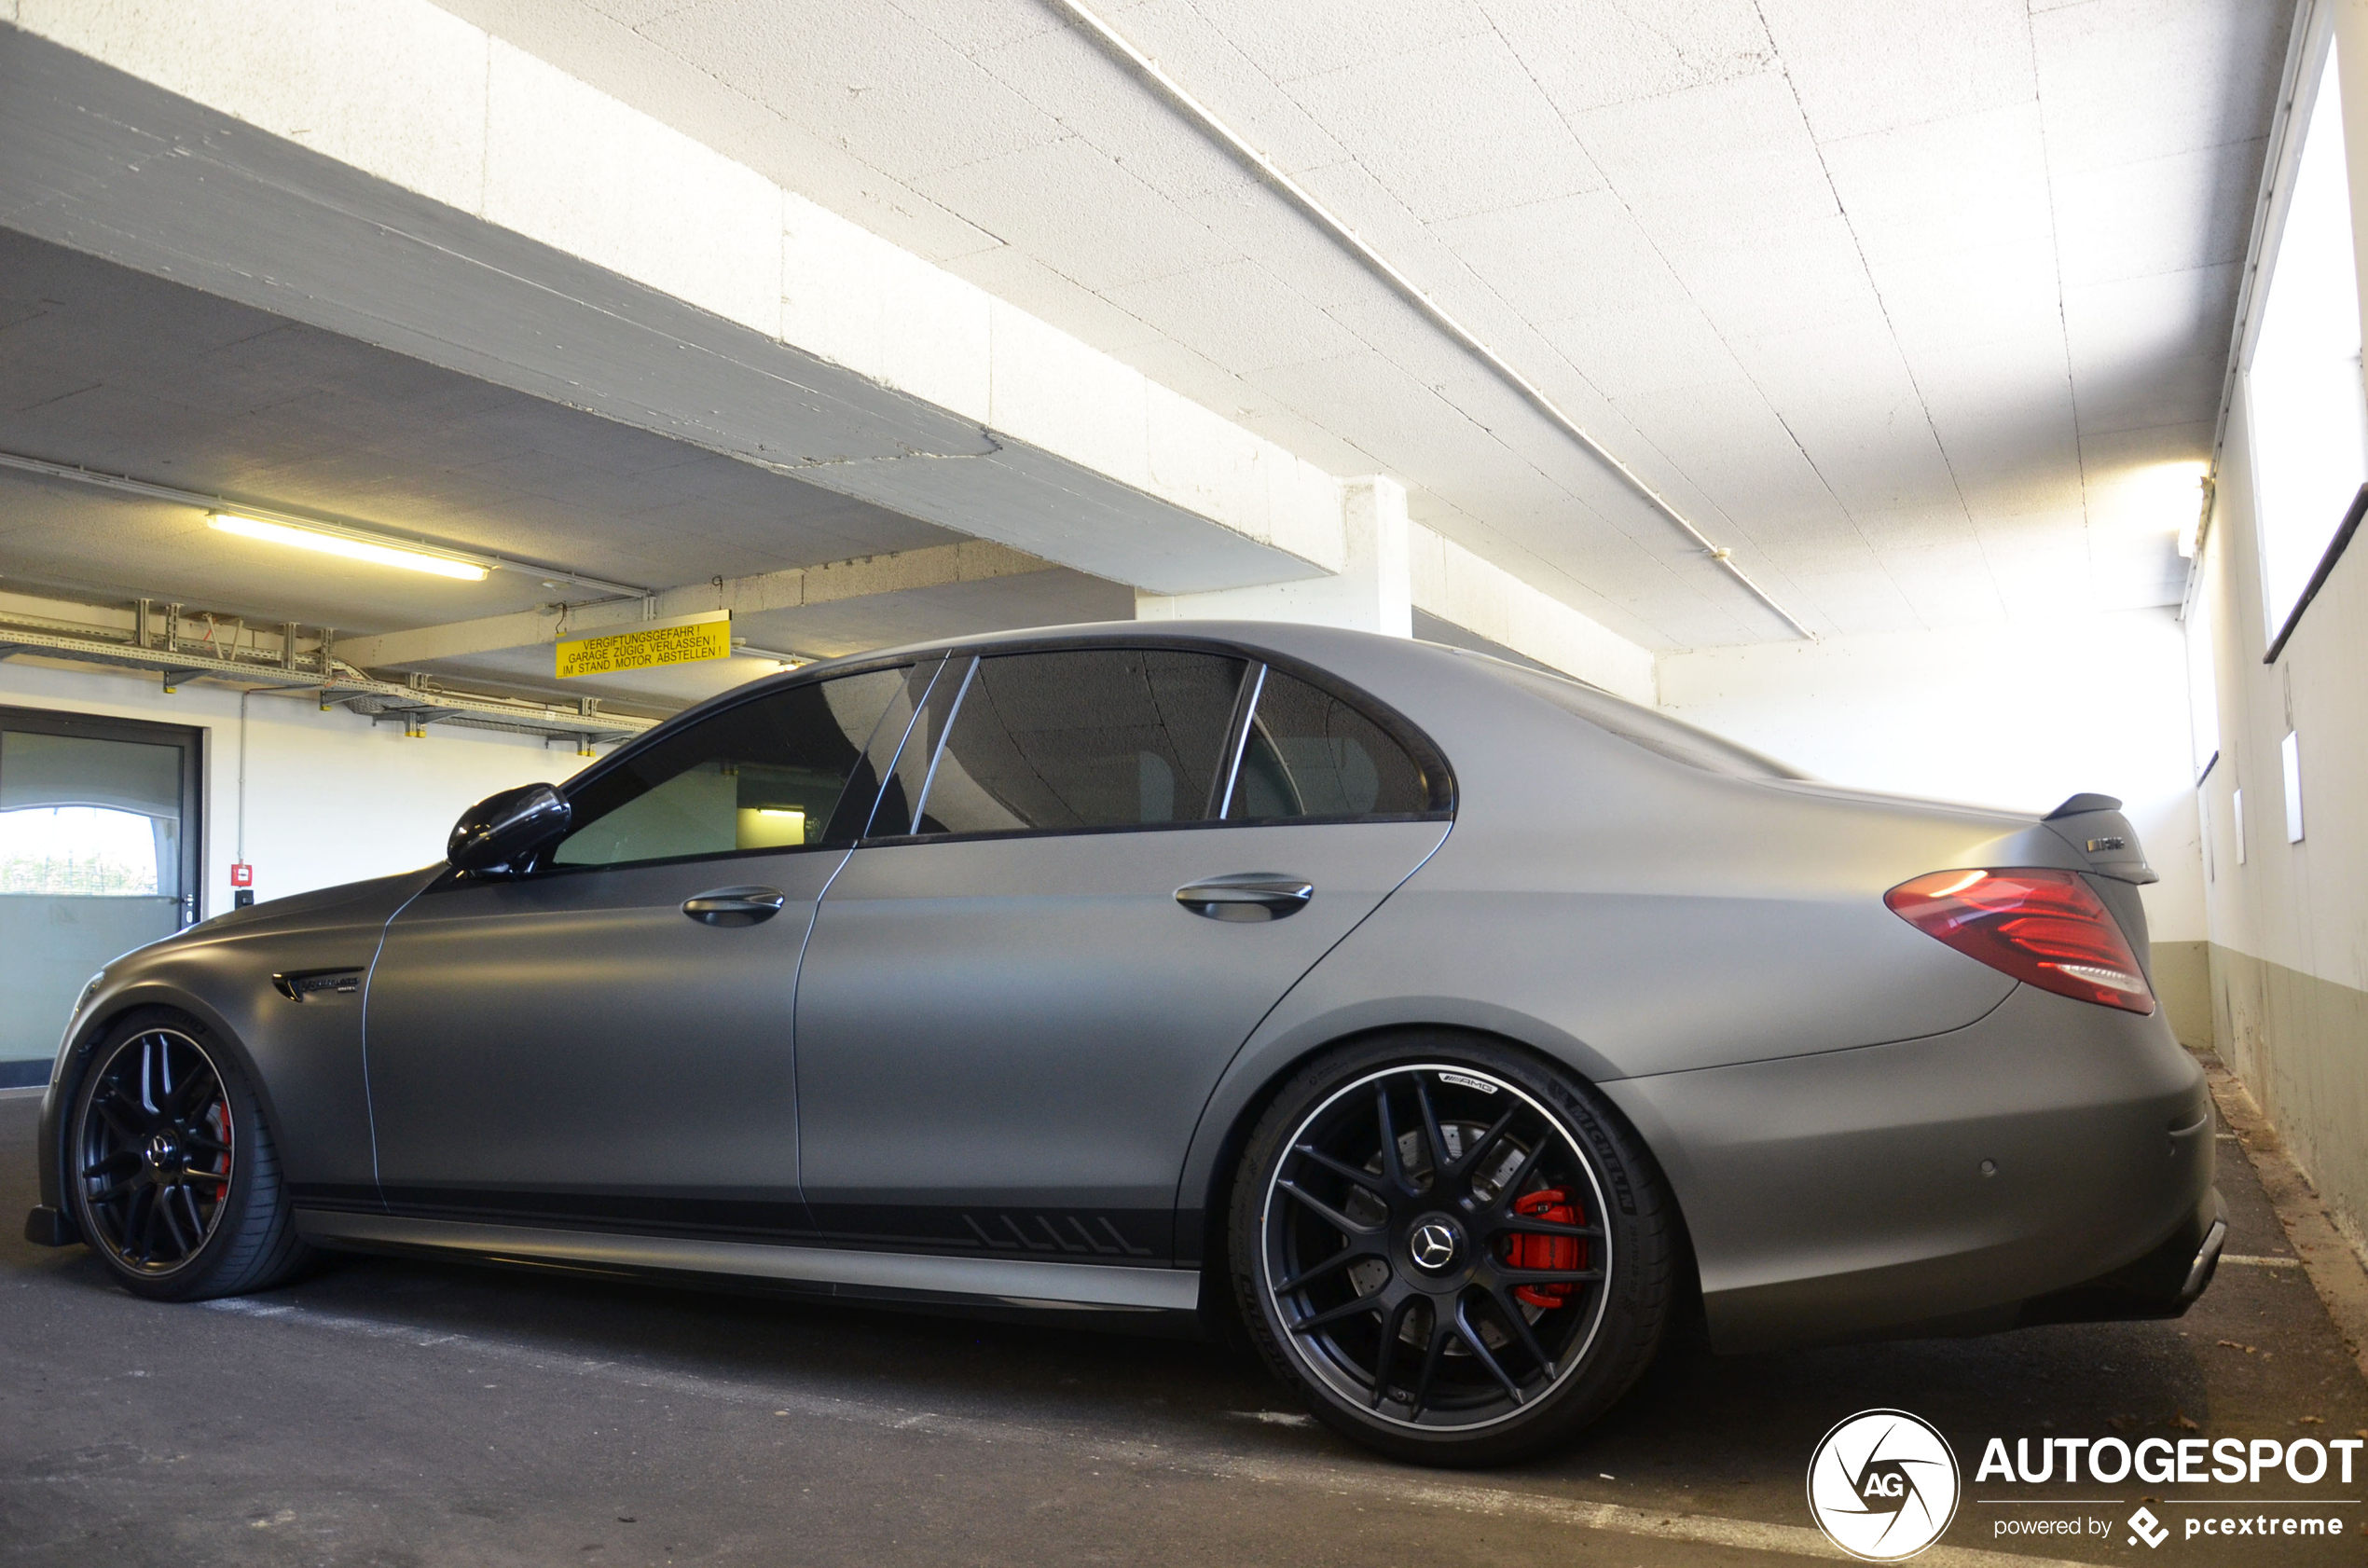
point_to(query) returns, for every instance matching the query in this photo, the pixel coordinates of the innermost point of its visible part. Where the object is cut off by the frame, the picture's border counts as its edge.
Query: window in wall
(87, 849)
(2305, 407)
(2289, 765)
(2203, 685)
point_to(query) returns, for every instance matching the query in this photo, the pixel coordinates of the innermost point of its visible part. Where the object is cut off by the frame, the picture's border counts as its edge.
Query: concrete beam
(394, 174)
(971, 561)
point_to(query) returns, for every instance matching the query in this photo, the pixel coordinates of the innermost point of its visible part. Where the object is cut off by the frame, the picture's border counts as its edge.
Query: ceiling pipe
(334, 681)
(1440, 316)
(124, 483)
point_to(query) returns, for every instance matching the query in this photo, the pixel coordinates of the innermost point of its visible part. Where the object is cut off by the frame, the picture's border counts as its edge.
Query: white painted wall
(2290, 918)
(2018, 716)
(330, 798)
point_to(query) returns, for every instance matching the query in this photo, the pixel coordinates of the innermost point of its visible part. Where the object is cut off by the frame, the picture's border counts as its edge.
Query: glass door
(98, 856)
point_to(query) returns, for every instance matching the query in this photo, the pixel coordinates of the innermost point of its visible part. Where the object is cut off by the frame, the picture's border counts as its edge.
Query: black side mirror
(502, 830)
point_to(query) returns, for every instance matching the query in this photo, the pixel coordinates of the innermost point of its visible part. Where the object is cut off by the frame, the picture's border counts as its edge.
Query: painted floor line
(2251, 1261)
(1397, 1488)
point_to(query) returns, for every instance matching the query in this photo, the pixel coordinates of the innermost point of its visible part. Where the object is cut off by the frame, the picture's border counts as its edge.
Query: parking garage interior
(1959, 401)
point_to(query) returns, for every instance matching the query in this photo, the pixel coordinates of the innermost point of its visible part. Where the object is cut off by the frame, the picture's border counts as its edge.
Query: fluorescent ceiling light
(352, 546)
(2173, 491)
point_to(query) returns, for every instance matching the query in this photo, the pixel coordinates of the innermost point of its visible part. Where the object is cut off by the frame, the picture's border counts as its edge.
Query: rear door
(1007, 1020)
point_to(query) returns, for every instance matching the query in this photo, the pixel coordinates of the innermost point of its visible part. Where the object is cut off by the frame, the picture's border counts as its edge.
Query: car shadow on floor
(1699, 1431)
(1766, 1411)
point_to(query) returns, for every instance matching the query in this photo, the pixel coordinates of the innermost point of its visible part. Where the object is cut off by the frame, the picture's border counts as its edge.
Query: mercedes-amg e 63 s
(1444, 1028)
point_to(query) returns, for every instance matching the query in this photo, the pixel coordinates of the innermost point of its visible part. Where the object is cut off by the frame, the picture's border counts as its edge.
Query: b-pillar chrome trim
(999, 1281)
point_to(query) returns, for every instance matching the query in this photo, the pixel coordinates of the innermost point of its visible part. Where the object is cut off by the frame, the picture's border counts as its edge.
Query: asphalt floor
(398, 1412)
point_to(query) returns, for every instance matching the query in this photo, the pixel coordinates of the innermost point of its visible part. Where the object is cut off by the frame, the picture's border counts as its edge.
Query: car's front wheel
(1455, 1252)
(170, 1173)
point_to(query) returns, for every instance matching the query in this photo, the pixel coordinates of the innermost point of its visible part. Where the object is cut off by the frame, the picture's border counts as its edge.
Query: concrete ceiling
(107, 368)
(1911, 304)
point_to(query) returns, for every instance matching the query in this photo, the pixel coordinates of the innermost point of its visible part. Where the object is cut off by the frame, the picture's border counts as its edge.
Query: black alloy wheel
(170, 1172)
(1436, 1254)
(154, 1151)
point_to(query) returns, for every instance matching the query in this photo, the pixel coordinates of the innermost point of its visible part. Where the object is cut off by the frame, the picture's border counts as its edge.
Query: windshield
(1655, 733)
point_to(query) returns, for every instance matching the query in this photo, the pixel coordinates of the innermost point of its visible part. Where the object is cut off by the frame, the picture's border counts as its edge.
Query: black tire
(1547, 1208)
(171, 1171)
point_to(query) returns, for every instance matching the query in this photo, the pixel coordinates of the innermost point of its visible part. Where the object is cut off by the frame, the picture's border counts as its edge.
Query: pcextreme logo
(1883, 1485)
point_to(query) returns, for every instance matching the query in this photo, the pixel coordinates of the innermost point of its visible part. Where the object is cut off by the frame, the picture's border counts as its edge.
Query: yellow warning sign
(647, 644)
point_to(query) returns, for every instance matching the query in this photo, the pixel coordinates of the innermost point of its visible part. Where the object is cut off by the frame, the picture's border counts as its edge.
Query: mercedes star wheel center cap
(1432, 1246)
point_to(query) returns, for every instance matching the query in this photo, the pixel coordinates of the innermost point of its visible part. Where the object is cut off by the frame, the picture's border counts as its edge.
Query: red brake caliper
(1525, 1251)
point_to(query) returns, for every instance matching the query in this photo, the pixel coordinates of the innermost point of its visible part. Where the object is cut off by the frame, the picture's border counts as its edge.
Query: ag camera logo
(1883, 1485)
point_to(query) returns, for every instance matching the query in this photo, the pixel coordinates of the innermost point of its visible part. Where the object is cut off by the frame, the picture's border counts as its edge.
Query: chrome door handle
(1247, 895)
(734, 906)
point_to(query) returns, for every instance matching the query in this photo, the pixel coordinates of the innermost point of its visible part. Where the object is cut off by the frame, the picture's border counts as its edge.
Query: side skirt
(887, 1276)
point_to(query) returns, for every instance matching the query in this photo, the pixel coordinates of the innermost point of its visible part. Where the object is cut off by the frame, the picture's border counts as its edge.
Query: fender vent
(318, 984)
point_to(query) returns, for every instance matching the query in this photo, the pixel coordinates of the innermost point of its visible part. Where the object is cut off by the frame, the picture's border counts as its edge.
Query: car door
(604, 1040)
(1009, 1016)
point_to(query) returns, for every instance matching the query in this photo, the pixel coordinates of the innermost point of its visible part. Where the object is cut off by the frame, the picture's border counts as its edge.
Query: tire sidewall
(197, 1275)
(1634, 1314)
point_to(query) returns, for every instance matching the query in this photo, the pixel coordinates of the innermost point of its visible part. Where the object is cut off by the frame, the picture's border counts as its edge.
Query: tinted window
(764, 775)
(1098, 738)
(1310, 754)
(907, 740)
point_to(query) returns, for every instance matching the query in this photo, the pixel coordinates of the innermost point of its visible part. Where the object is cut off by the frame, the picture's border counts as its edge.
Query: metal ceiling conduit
(1324, 218)
(163, 640)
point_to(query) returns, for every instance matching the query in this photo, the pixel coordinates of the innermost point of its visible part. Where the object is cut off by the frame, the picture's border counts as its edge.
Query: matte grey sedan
(1445, 1028)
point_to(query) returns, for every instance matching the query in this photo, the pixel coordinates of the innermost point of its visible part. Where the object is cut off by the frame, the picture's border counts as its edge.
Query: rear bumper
(2165, 1282)
(2052, 1162)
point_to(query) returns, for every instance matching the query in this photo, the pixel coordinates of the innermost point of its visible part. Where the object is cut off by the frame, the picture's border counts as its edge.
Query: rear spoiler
(2094, 825)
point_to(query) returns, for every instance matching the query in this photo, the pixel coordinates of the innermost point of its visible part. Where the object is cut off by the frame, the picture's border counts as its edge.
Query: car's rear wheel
(1457, 1253)
(170, 1172)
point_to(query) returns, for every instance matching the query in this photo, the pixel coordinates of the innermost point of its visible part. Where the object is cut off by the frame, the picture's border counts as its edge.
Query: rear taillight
(2046, 928)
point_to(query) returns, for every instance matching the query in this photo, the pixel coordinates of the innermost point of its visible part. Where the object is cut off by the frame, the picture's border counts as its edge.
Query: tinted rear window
(1101, 737)
(1655, 733)
(1310, 754)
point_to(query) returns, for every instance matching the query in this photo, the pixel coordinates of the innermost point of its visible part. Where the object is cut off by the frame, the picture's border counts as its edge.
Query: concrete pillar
(1373, 590)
